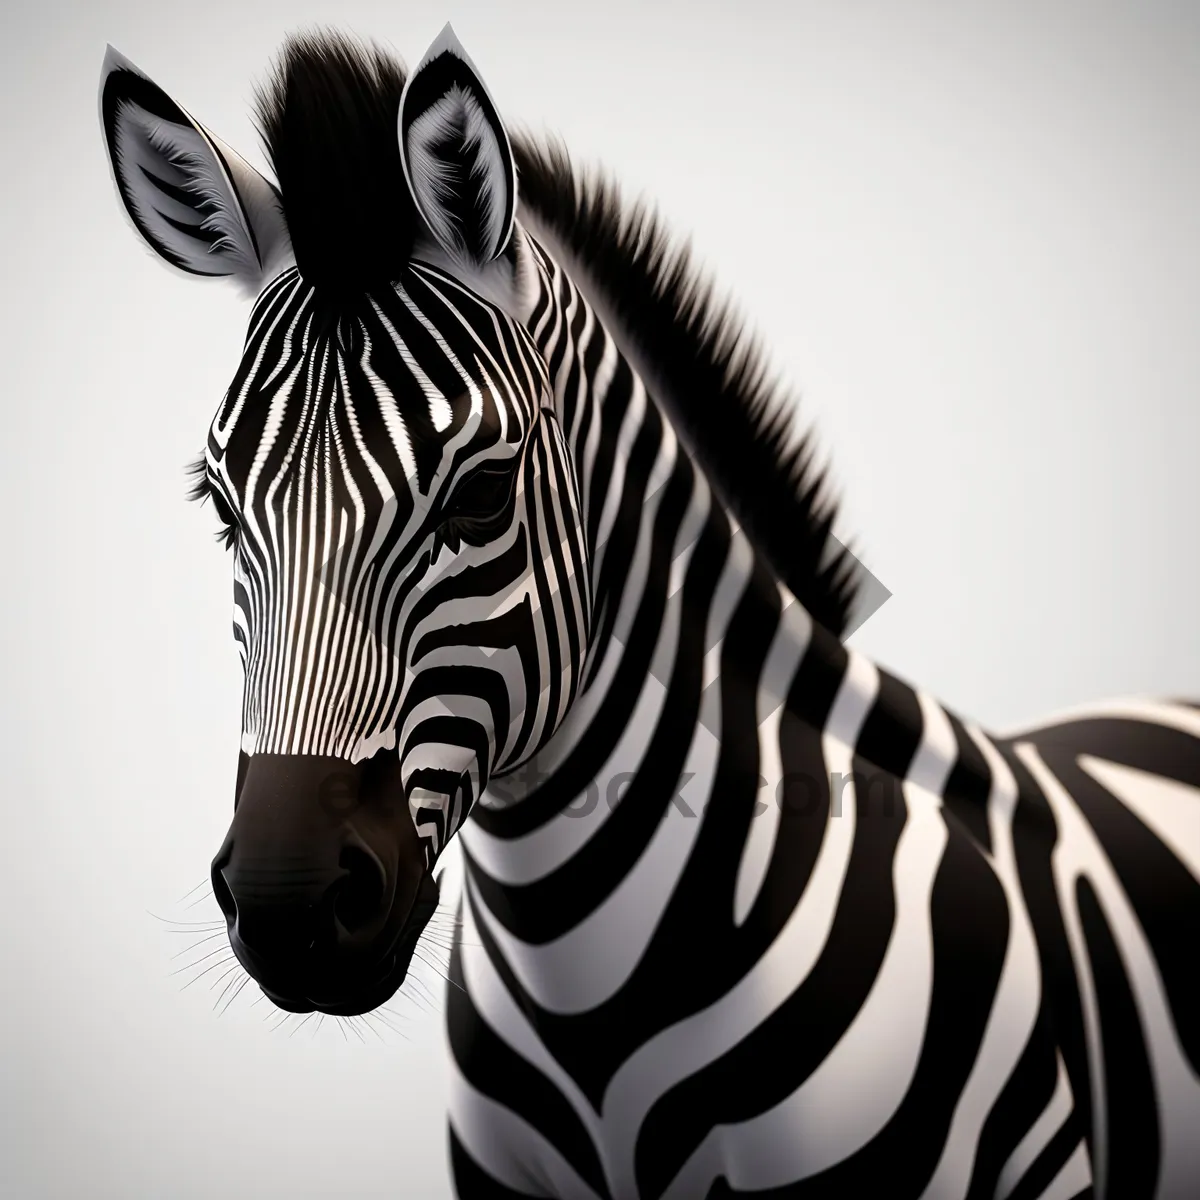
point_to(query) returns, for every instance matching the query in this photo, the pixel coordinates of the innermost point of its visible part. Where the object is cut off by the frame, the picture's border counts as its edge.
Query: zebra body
(774, 976)
(743, 913)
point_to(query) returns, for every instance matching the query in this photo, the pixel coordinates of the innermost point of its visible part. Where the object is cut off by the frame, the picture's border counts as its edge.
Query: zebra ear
(456, 155)
(198, 205)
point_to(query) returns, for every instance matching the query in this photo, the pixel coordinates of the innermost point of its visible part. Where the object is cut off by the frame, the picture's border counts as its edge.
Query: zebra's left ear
(198, 205)
(456, 155)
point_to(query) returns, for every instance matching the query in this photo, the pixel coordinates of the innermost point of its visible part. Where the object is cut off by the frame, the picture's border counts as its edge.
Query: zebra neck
(718, 732)
(701, 665)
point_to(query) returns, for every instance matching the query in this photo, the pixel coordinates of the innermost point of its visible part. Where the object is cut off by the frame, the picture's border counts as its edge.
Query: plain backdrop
(969, 237)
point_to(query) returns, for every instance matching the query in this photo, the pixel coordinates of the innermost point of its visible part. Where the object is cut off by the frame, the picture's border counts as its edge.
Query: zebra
(518, 514)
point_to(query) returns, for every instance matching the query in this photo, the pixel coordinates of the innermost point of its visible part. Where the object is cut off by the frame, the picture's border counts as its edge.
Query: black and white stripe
(744, 914)
(869, 981)
(341, 445)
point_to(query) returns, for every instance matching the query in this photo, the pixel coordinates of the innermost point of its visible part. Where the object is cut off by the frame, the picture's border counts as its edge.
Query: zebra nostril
(360, 892)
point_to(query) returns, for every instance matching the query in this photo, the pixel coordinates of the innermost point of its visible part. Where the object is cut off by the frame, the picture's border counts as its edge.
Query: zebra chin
(323, 881)
(348, 998)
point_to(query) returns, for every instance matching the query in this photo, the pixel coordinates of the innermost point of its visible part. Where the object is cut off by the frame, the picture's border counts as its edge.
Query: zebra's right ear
(198, 205)
(456, 155)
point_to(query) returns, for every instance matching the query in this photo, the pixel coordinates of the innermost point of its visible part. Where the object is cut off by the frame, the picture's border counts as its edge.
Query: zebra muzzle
(322, 880)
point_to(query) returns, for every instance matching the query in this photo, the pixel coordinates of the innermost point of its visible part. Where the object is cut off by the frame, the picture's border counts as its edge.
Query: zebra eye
(481, 505)
(228, 534)
(485, 495)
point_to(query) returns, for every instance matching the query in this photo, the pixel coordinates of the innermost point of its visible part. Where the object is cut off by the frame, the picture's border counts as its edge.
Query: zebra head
(410, 576)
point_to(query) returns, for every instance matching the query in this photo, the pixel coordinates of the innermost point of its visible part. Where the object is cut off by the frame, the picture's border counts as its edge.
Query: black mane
(328, 121)
(709, 370)
(327, 118)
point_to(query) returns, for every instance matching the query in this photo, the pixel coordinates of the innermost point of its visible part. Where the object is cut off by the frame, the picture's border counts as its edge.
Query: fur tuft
(704, 365)
(197, 473)
(327, 118)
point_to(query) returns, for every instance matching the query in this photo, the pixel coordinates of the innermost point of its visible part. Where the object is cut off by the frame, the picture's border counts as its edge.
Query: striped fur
(850, 945)
(342, 444)
(744, 914)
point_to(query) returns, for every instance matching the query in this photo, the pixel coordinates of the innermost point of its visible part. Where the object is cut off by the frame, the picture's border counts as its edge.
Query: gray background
(970, 238)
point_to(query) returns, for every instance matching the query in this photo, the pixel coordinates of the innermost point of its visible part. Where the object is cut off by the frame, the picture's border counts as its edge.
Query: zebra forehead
(406, 373)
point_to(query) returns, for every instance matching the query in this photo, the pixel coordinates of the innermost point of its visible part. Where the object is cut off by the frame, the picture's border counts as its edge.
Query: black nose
(282, 904)
(308, 874)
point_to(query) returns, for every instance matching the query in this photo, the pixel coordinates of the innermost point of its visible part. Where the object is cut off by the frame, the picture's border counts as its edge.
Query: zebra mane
(327, 117)
(709, 371)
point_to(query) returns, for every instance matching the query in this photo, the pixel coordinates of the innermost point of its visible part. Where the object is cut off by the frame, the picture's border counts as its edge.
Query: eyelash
(201, 489)
(227, 535)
